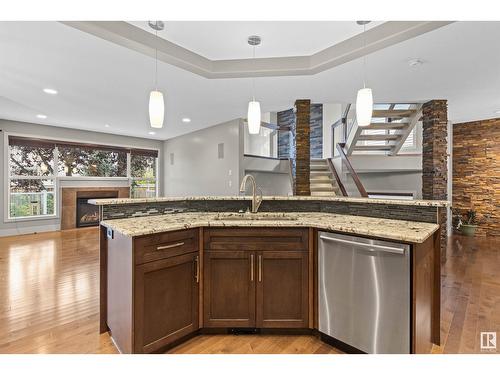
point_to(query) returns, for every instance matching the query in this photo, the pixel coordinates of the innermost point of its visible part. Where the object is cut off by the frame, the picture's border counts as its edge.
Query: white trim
(91, 178)
(144, 42)
(29, 230)
(32, 218)
(25, 135)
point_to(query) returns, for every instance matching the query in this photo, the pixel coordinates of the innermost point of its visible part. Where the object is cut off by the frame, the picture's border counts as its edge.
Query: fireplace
(87, 215)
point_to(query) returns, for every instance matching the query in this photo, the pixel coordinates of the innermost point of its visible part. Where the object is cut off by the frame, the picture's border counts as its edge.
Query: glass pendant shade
(156, 109)
(253, 117)
(364, 107)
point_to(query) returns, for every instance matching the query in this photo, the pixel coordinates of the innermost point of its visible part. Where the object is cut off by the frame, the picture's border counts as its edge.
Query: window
(35, 166)
(77, 160)
(143, 174)
(31, 180)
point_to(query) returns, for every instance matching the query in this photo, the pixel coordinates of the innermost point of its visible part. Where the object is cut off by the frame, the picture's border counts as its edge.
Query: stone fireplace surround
(69, 197)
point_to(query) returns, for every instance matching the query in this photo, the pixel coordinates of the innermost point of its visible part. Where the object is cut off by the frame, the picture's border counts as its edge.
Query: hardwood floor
(254, 344)
(49, 300)
(470, 294)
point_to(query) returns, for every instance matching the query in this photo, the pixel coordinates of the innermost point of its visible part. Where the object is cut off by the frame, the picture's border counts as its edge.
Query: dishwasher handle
(387, 249)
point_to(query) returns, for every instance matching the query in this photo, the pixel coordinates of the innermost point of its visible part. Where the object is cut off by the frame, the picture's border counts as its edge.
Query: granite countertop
(398, 230)
(406, 202)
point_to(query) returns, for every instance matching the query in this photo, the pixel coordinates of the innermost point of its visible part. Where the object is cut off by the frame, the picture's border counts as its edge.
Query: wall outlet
(230, 183)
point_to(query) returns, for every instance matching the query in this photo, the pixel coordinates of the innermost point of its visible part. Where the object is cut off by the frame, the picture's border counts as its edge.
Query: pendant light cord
(364, 56)
(156, 58)
(253, 78)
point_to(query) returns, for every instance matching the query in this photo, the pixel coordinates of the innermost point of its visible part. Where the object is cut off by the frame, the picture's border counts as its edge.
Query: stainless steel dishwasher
(364, 292)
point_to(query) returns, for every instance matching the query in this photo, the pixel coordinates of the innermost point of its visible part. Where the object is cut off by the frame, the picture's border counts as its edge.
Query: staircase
(391, 124)
(323, 183)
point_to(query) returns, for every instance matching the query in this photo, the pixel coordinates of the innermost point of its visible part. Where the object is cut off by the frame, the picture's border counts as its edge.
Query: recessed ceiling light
(50, 91)
(497, 112)
(151, 133)
(415, 62)
(41, 116)
(186, 119)
(106, 125)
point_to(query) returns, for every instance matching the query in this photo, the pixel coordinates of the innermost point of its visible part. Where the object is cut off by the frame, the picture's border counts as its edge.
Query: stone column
(434, 159)
(302, 144)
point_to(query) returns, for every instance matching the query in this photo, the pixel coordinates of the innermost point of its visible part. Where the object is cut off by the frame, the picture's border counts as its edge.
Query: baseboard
(29, 230)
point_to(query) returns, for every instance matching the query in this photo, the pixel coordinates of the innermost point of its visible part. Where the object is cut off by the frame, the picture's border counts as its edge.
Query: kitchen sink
(256, 217)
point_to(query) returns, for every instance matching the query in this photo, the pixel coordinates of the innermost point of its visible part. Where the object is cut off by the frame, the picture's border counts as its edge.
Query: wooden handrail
(337, 177)
(355, 177)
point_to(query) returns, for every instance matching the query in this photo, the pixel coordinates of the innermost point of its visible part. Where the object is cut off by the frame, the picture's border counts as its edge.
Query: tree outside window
(143, 174)
(31, 181)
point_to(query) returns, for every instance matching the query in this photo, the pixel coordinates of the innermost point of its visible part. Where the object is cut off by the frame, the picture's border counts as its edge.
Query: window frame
(57, 179)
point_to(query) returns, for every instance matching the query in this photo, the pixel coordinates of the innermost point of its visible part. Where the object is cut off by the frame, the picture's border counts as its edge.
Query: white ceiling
(100, 82)
(227, 40)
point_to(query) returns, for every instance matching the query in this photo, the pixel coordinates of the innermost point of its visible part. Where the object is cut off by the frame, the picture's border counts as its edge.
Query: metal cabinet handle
(197, 275)
(251, 267)
(387, 249)
(260, 268)
(170, 246)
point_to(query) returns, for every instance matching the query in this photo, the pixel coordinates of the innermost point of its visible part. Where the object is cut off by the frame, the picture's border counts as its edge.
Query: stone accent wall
(285, 138)
(316, 131)
(285, 118)
(302, 161)
(476, 172)
(427, 214)
(434, 158)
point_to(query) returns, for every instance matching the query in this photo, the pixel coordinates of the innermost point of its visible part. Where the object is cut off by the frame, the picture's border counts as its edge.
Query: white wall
(387, 182)
(331, 113)
(390, 174)
(53, 132)
(271, 175)
(197, 169)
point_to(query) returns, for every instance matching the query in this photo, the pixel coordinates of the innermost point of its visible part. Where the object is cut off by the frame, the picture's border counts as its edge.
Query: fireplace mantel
(69, 196)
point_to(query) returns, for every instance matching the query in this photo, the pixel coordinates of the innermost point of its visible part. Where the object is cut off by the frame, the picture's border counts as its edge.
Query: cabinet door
(282, 289)
(166, 301)
(229, 289)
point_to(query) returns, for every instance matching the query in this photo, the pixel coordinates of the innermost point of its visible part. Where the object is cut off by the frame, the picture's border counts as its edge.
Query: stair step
(323, 193)
(319, 173)
(318, 161)
(322, 187)
(386, 125)
(373, 148)
(321, 179)
(319, 169)
(378, 137)
(393, 113)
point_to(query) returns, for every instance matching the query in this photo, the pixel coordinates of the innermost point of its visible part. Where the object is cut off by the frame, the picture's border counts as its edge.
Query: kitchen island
(168, 277)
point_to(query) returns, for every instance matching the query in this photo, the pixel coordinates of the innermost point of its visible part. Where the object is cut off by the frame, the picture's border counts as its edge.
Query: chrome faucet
(256, 201)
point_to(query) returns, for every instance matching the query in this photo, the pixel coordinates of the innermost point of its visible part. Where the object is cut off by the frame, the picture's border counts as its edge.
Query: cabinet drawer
(256, 239)
(165, 245)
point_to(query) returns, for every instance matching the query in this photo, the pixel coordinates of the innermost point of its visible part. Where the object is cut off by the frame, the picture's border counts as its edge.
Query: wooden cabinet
(282, 289)
(246, 287)
(229, 289)
(166, 301)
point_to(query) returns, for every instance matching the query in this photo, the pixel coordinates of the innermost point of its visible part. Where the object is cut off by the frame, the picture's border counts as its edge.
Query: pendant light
(253, 115)
(156, 103)
(364, 99)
